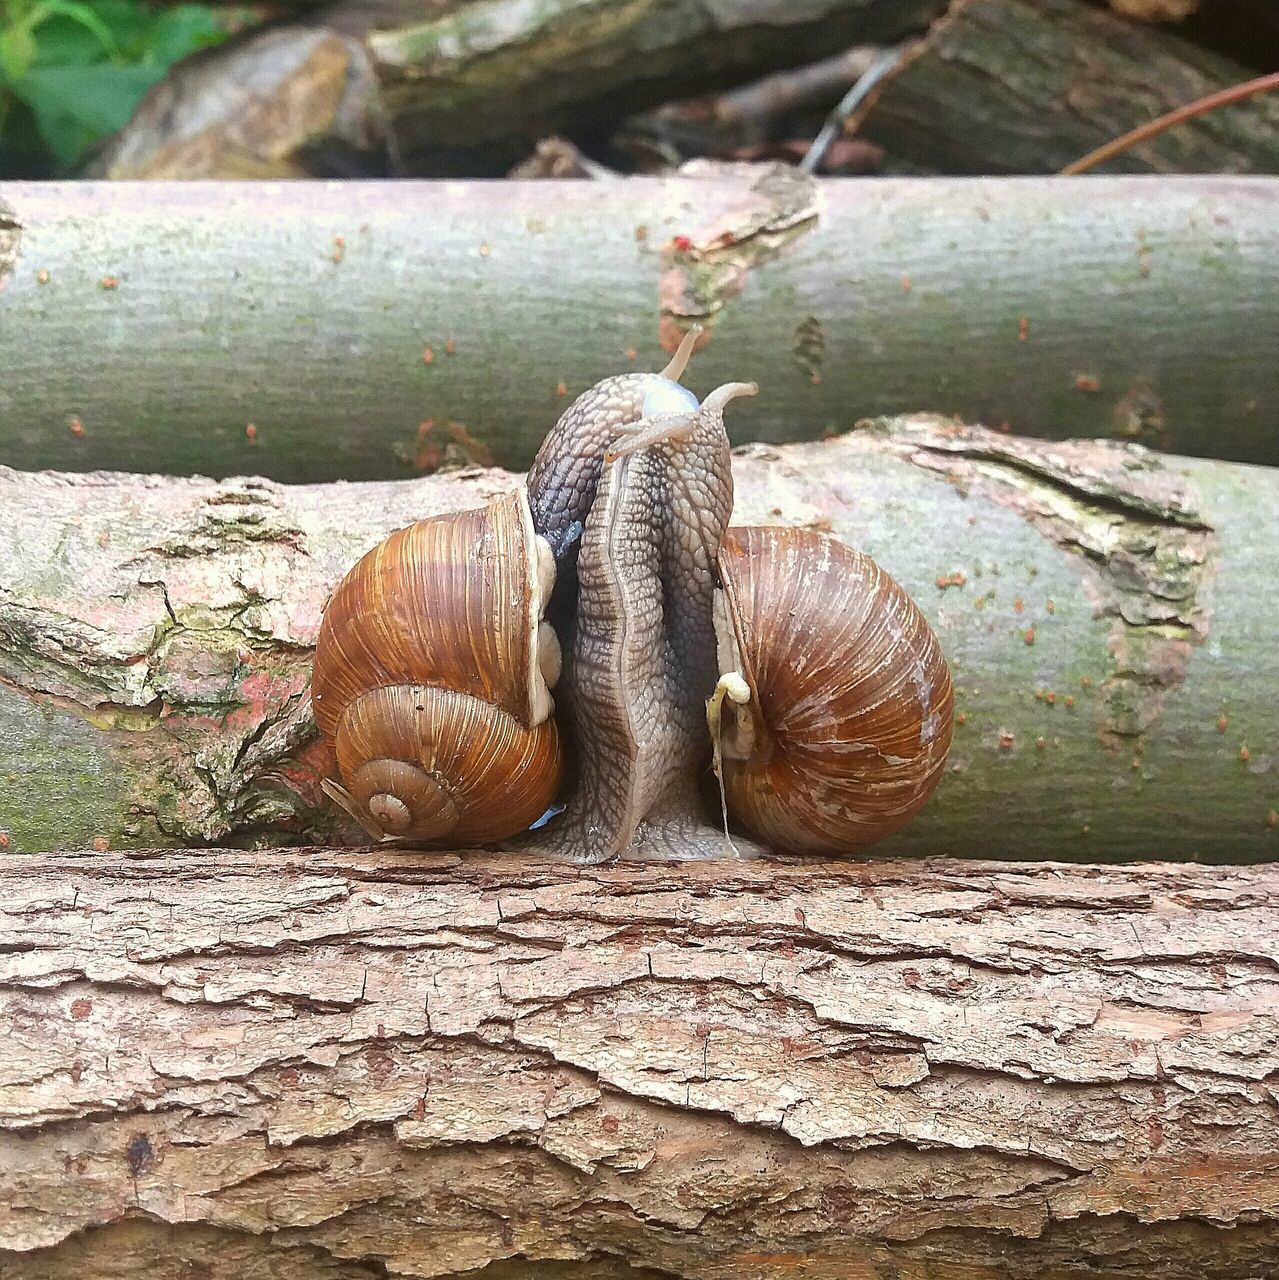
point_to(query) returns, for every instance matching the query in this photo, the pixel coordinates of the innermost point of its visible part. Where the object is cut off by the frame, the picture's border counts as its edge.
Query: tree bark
(1027, 86)
(1106, 612)
(472, 85)
(320, 1064)
(335, 319)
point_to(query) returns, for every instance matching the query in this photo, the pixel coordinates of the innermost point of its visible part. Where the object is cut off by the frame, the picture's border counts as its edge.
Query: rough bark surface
(370, 1064)
(1106, 613)
(466, 87)
(364, 328)
(1027, 86)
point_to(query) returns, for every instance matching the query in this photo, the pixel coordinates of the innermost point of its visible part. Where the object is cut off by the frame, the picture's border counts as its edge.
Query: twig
(887, 62)
(1201, 106)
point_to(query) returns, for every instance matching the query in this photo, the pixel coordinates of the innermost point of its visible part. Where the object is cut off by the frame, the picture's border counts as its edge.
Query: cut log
(467, 89)
(1027, 86)
(348, 1066)
(147, 326)
(1107, 615)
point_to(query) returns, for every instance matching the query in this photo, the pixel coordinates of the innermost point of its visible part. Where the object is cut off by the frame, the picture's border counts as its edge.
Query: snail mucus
(602, 647)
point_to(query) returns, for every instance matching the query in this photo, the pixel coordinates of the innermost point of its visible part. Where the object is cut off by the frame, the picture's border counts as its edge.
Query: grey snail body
(787, 662)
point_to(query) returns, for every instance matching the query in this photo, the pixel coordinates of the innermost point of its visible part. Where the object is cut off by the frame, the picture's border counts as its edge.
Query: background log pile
(470, 88)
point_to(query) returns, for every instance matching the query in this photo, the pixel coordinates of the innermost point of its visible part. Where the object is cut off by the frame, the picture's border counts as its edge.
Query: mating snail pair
(614, 586)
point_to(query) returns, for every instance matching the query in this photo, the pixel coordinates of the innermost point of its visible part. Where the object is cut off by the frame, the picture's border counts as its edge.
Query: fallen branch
(1107, 616)
(335, 1065)
(466, 87)
(344, 322)
(1028, 86)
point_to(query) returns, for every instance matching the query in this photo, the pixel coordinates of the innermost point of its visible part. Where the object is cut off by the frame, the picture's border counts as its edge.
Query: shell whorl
(839, 698)
(432, 675)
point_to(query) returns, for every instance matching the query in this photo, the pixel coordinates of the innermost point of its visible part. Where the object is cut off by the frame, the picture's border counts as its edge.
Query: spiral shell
(432, 679)
(834, 710)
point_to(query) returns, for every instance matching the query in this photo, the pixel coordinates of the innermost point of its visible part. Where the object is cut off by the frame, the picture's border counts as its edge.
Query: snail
(839, 701)
(826, 696)
(432, 679)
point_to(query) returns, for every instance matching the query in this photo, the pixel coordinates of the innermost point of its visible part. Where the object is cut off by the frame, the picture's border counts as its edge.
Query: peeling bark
(342, 321)
(1105, 612)
(318, 1064)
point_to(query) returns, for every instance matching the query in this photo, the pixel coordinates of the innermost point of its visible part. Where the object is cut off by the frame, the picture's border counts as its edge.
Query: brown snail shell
(834, 710)
(432, 679)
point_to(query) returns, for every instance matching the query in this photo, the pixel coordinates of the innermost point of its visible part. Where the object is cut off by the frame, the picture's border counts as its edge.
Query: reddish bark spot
(1070, 700)
(1272, 818)
(1018, 605)
(339, 248)
(428, 355)
(1222, 723)
(76, 427)
(81, 1009)
(1040, 743)
(109, 282)
(484, 249)
(1218, 972)
(5, 839)
(289, 1077)
(681, 244)
(380, 1064)
(450, 347)
(1048, 604)
(1085, 682)
(1050, 697)
(101, 844)
(906, 285)
(1005, 740)
(1087, 382)
(631, 353)
(956, 579)
(381, 1031)
(42, 276)
(1244, 754)
(419, 1109)
(561, 389)
(75, 1071)
(251, 433)
(910, 977)
(961, 717)
(815, 379)
(1023, 328)
(641, 233)
(1029, 635)
(609, 1123)
(1156, 1134)
(1136, 764)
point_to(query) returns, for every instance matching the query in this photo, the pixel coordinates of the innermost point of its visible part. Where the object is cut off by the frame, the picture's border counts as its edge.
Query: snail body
(432, 679)
(826, 694)
(833, 712)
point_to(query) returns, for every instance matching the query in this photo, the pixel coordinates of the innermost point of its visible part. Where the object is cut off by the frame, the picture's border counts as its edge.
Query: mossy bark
(365, 330)
(1106, 613)
(347, 1066)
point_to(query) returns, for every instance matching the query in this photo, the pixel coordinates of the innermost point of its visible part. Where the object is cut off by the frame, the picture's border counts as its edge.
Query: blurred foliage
(71, 73)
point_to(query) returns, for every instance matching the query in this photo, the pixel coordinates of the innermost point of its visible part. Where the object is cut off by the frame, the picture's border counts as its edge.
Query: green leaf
(63, 42)
(180, 31)
(74, 106)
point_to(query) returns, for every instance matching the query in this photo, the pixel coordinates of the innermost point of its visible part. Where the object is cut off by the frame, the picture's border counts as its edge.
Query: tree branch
(334, 1064)
(1106, 613)
(336, 318)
